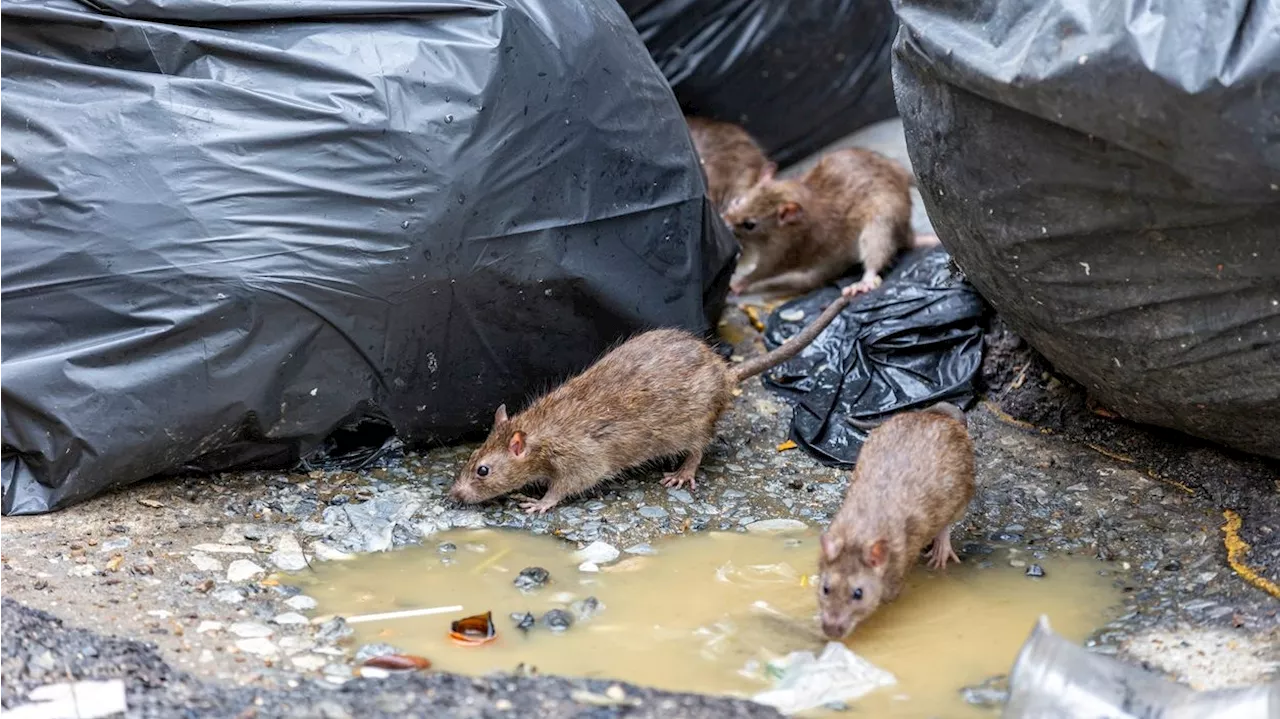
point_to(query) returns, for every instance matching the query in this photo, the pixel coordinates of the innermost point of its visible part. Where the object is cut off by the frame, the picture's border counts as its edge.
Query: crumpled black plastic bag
(1107, 174)
(797, 74)
(238, 232)
(915, 341)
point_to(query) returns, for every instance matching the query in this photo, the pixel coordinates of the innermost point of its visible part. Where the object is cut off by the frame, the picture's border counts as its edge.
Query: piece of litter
(583, 696)
(153, 504)
(753, 316)
(404, 614)
(776, 525)
(794, 314)
(81, 700)
(789, 444)
(808, 682)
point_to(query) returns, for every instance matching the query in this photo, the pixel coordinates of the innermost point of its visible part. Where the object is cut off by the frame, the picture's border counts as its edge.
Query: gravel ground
(186, 563)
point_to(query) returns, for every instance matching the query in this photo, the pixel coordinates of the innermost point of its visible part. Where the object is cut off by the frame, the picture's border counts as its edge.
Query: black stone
(531, 578)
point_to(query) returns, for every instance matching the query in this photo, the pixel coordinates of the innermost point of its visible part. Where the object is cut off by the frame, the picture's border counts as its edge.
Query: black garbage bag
(914, 342)
(1108, 176)
(797, 74)
(230, 229)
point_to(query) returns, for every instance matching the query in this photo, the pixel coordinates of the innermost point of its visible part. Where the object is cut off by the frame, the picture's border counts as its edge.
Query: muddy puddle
(705, 613)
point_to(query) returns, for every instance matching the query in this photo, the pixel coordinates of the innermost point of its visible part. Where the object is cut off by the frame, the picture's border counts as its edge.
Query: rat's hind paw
(678, 479)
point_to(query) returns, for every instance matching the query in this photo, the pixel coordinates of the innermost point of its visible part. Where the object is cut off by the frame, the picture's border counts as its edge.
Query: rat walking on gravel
(913, 480)
(853, 207)
(657, 395)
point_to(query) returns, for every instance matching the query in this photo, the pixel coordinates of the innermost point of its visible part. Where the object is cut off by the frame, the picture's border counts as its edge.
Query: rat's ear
(500, 417)
(877, 553)
(768, 171)
(788, 212)
(830, 547)
(518, 446)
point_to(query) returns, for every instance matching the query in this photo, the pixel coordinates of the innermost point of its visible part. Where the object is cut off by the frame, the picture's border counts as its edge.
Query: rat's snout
(836, 629)
(458, 494)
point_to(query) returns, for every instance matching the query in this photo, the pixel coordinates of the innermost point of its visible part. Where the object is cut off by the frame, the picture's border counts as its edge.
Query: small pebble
(1017, 563)
(250, 630)
(588, 567)
(531, 578)
(243, 570)
(645, 550)
(205, 563)
(260, 646)
(369, 651)
(598, 552)
(1035, 570)
(228, 596)
(209, 626)
(651, 512)
(300, 603)
(585, 609)
(557, 620)
(524, 621)
(794, 314)
(289, 618)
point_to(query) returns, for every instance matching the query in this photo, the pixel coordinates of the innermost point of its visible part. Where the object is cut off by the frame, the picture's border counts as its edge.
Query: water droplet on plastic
(462, 199)
(410, 200)
(448, 118)
(405, 224)
(399, 158)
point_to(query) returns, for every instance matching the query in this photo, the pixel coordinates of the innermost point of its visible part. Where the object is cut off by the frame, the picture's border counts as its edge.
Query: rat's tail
(791, 347)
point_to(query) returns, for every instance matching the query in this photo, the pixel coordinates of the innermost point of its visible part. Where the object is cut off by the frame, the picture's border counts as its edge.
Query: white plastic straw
(403, 614)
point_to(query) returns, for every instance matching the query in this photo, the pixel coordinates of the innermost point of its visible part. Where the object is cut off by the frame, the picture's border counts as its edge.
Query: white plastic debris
(807, 682)
(767, 526)
(80, 700)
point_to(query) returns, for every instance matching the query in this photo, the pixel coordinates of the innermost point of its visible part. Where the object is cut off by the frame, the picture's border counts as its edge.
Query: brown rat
(657, 395)
(913, 480)
(731, 158)
(853, 207)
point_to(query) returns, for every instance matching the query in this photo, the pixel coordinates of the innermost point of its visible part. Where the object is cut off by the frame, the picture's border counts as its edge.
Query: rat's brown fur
(913, 480)
(656, 395)
(853, 207)
(731, 159)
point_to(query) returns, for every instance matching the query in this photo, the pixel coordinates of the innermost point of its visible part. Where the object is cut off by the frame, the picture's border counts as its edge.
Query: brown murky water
(707, 611)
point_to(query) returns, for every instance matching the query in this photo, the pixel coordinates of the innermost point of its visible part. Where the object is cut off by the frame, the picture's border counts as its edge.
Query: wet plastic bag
(1053, 678)
(231, 228)
(1108, 176)
(914, 342)
(797, 74)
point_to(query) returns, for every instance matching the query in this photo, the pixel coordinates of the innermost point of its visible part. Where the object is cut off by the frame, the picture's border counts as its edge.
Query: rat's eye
(747, 225)
(857, 594)
(482, 470)
(826, 588)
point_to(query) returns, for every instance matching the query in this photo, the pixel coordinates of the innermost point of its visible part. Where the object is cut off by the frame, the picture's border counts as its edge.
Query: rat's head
(505, 462)
(850, 583)
(769, 209)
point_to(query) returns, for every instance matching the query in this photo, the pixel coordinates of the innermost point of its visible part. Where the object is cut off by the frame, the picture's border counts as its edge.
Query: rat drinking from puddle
(655, 396)
(913, 480)
(853, 207)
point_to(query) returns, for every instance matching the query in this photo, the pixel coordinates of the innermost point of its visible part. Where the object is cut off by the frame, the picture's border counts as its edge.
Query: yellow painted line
(1237, 548)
